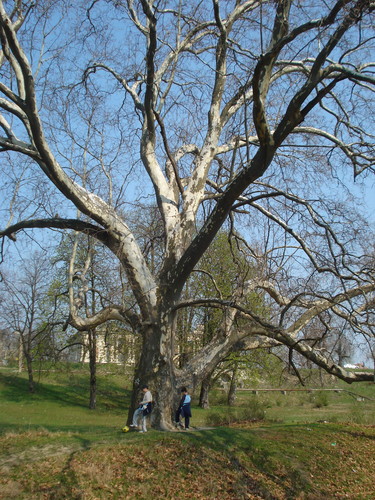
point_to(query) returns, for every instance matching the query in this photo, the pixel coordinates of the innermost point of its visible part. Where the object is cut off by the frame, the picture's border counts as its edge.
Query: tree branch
(97, 232)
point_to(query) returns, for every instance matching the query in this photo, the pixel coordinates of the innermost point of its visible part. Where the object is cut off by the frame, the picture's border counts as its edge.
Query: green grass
(299, 406)
(61, 404)
(310, 445)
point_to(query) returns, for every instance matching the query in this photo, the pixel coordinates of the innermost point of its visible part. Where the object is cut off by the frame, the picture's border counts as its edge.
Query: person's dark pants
(180, 412)
(187, 421)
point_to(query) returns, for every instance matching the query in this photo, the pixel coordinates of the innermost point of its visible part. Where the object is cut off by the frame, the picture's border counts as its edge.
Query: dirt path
(35, 453)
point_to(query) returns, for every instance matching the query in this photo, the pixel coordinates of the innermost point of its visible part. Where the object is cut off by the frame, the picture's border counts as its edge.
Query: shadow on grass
(261, 443)
(252, 455)
(75, 394)
(359, 434)
(222, 438)
(16, 390)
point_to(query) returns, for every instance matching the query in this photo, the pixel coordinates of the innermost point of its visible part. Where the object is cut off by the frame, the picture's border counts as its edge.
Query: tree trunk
(204, 394)
(321, 377)
(156, 370)
(164, 380)
(83, 353)
(233, 386)
(29, 364)
(92, 356)
(20, 354)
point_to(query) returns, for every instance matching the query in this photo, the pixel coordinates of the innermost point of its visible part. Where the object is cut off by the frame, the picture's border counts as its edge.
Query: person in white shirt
(144, 409)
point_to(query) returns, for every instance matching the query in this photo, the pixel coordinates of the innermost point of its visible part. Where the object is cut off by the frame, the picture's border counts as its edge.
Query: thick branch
(263, 70)
(201, 242)
(316, 357)
(57, 223)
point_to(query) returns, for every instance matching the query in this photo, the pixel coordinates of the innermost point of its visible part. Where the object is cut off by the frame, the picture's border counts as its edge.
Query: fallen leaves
(277, 462)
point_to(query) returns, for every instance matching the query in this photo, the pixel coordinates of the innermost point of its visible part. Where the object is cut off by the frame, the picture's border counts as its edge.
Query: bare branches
(250, 333)
(132, 90)
(57, 223)
(134, 16)
(262, 73)
(92, 318)
(294, 114)
(169, 154)
(361, 161)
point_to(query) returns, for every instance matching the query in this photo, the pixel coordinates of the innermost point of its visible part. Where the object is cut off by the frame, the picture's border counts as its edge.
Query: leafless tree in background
(24, 309)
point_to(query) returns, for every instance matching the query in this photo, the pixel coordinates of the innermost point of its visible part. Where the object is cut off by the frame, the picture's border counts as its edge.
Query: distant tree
(343, 349)
(85, 277)
(23, 310)
(221, 273)
(10, 346)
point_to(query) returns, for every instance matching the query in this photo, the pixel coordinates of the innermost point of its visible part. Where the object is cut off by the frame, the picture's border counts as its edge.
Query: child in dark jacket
(184, 409)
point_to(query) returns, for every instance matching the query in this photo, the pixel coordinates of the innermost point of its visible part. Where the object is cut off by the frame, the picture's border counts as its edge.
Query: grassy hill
(317, 445)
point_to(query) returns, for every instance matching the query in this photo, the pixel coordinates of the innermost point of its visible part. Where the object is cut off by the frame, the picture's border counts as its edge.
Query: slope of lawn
(308, 447)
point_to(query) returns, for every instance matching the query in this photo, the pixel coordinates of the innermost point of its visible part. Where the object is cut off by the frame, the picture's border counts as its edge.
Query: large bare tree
(247, 112)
